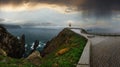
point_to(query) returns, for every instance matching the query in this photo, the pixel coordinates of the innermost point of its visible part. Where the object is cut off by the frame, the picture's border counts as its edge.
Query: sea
(43, 35)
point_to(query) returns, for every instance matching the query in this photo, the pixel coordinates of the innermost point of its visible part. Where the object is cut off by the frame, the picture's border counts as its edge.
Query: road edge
(84, 60)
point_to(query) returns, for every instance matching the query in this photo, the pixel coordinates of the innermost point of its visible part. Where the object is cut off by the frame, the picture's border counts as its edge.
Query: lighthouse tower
(69, 24)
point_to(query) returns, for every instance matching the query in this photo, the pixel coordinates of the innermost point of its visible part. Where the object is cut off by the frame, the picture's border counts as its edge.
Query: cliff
(11, 45)
(13, 49)
(61, 38)
(64, 37)
(64, 50)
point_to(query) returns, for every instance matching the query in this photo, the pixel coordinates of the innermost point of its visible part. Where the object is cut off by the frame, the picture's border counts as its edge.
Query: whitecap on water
(26, 45)
(39, 45)
(32, 45)
(18, 37)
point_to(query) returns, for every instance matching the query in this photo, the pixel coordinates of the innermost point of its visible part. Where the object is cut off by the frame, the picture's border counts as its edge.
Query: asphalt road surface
(105, 50)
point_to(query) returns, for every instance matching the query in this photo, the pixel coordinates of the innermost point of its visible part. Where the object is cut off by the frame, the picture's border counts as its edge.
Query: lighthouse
(69, 24)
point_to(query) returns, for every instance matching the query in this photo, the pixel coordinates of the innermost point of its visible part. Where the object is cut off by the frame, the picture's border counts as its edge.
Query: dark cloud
(13, 2)
(97, 8)
(1, 20)
(59, 2)
(101, 8)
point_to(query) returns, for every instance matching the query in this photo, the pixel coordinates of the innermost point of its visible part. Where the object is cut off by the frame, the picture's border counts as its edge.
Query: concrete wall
(84, 60)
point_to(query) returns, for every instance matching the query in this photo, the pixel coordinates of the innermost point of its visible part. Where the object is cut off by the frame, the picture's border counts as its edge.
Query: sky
(59, 13)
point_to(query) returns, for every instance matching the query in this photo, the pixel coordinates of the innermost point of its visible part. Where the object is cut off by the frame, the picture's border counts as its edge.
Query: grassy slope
(11, 62)
(66, 39)
(74, 42)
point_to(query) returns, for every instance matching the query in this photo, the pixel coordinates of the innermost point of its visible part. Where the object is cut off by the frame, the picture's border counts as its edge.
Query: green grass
(11, 62)
(76, 43)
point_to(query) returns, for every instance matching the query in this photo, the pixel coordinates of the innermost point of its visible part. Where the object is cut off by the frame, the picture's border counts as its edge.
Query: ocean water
(32, 34)
(100, 30)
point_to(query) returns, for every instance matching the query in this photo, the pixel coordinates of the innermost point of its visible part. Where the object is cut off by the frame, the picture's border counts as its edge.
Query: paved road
(105, 51)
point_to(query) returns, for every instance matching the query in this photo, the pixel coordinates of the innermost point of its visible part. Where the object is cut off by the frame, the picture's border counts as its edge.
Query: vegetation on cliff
(11, 45)
(12, 48)
(6, 61)
(64, 50)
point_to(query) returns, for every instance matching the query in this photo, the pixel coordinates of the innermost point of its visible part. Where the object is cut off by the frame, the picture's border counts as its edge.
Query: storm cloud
(98, 8)
(101, 8)
(58, 2)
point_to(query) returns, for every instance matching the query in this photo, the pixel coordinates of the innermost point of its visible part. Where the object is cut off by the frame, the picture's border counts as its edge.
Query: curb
(84, 60)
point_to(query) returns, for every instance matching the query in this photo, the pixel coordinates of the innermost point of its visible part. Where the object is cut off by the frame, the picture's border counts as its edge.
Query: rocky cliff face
(57, 41)
(11, 45)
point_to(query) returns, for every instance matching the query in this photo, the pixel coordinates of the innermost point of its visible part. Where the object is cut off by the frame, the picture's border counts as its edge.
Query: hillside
(12, 46)
(64, 50)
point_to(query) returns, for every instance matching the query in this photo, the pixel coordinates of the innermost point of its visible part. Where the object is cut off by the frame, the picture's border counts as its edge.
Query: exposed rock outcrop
(34, 58)
(2, 52)
(11, 45)
(35, 45)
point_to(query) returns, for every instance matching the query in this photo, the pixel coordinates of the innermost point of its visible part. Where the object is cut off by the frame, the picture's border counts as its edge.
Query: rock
(35, 58)
(36, 45)
(22, 44)
(2, 52)
(11, 45)
(2, 28)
